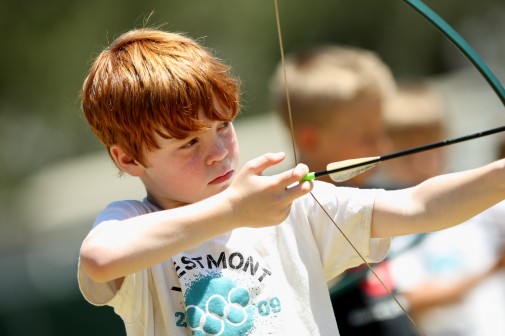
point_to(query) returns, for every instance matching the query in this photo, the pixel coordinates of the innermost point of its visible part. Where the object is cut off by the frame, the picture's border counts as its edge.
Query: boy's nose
(217, 153)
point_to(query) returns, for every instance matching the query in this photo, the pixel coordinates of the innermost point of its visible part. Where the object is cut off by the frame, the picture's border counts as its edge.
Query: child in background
(338, 97)
(218, 250)
(450, 289)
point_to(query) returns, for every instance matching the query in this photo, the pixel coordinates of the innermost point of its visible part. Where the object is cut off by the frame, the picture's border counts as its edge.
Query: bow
(343, 170)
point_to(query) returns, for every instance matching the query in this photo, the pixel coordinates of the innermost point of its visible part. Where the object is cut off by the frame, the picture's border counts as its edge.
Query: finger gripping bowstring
(461, 44)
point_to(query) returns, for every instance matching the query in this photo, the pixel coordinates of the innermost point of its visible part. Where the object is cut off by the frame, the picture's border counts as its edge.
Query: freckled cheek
(184, 185)
(193, 168)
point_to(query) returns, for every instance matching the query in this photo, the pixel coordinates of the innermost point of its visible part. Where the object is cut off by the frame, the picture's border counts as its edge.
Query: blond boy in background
(338, 97)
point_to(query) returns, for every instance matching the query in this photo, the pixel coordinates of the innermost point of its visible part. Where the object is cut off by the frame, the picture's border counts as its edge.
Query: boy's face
(189, 170)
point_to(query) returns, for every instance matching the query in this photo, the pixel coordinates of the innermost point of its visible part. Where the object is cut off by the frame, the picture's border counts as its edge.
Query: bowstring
(286, 92)
(285, 77)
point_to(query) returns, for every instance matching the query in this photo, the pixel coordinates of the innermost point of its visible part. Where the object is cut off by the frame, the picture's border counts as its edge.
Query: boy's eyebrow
(190, 134)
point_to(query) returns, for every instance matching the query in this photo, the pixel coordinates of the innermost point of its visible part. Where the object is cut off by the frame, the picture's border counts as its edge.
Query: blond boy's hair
(322, 78)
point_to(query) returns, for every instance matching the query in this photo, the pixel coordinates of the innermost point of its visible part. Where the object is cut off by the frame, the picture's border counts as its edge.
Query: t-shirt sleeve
(351, 210)
(124, 299)
(102, 293)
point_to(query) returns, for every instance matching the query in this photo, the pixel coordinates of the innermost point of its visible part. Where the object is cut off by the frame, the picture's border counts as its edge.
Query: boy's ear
(125, 162)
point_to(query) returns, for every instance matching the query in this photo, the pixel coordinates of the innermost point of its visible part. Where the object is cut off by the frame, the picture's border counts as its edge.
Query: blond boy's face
(189, 170)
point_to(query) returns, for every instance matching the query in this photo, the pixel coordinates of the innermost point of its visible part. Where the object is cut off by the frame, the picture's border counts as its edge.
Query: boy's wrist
(224, 205)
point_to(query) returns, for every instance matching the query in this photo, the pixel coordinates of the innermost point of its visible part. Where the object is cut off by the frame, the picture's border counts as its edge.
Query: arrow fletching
(344, 170)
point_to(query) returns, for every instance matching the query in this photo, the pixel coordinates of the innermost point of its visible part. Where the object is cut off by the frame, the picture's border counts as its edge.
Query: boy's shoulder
(329, 193)
(121, 210)
(326, 188)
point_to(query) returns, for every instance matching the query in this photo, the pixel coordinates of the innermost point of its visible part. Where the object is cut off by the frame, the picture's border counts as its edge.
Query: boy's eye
(190, 143)
(225, 124)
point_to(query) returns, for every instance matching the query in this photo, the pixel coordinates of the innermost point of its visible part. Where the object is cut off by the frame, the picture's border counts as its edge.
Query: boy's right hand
(259, 200)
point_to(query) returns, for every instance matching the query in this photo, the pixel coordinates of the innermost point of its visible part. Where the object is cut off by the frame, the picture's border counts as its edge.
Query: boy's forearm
(118, 248)
(440, 202)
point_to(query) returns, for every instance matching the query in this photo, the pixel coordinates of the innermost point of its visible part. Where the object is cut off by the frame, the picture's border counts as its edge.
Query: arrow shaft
(442, 143)
(412, 151)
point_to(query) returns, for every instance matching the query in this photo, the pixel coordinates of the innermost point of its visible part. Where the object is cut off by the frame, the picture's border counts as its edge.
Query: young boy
(339, 95)
(213, 250)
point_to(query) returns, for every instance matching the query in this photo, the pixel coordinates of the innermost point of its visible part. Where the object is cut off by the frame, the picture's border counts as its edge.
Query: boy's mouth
(222, 178)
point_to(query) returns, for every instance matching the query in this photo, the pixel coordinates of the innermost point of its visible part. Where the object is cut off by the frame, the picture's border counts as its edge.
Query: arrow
(344, 170)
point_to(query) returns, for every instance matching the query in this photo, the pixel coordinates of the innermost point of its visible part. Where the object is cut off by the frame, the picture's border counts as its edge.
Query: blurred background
(55, 177)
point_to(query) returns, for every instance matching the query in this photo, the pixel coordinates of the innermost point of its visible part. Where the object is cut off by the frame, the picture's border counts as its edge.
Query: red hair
(151, 82)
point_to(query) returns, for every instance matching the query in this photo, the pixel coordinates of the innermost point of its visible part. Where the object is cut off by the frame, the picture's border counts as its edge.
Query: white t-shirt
(250, 281)
(449, 256)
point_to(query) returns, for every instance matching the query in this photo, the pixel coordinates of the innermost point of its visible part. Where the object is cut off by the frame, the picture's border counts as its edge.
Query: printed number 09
(267, 307)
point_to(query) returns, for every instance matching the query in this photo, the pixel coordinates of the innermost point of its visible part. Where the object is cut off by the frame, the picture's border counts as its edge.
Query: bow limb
(461, 44)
